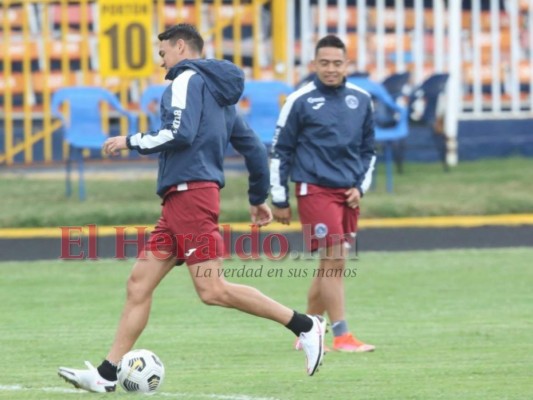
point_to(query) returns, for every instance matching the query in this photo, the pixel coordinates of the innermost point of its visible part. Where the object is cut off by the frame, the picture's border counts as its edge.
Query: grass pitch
(447, 325)
(500, 186)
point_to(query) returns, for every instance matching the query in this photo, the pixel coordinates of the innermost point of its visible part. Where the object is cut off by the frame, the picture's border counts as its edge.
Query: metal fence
(49, 44)
(485, 45)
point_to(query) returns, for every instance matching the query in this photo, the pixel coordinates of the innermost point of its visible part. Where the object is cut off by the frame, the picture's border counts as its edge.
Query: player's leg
(213, 289)
(321, 213)
(153, 263)
(330, 281)
(194, 218)
(144, 278)
(331, 287)
(329, 220)
(344, 340)
(315, 305)
(146, 275)
(315, 302)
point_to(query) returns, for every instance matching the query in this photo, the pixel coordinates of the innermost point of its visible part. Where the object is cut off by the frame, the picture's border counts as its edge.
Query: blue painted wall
(493, 138)
(476, 140)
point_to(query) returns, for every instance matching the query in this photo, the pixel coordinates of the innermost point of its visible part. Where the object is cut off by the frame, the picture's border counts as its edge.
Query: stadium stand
(49, 44)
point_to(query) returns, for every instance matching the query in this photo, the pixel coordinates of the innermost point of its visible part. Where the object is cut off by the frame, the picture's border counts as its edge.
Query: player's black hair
(186, 32)
(330, 41)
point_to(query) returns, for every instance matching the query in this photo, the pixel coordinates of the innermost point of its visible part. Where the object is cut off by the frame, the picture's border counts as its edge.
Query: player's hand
(261, 214)
(114, 144)
(282, 215)
(352, 197)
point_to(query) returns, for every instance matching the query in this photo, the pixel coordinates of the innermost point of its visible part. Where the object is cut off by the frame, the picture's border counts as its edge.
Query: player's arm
(283, 149)
(367, 152)
(183, 109)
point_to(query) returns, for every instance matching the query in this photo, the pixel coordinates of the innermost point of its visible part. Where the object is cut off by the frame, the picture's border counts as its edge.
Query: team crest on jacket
(351, 101)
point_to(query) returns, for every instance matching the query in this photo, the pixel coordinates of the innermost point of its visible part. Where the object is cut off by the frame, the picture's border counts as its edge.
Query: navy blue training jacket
(198, 119)
(324, 136)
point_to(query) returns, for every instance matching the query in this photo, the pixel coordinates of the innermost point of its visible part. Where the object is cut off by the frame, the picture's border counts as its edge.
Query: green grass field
(447, 325)
(486, 187)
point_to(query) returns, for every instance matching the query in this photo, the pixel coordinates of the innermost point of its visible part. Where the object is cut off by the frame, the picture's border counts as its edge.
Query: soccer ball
(140, 371)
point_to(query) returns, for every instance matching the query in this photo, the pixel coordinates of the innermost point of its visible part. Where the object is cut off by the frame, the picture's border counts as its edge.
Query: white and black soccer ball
(140, 371)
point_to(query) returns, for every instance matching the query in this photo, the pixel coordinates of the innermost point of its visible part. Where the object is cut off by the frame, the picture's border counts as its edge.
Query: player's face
(330, 65)
(171, 54)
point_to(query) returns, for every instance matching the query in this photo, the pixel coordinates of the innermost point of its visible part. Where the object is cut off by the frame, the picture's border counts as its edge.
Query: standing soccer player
(198, 119)
(324, 142)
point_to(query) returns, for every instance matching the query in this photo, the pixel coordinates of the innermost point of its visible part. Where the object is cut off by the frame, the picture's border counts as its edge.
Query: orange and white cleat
(350, 344)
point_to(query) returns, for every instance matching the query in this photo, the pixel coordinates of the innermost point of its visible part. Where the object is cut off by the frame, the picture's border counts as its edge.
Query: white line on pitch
(218, 396)
(20, 388)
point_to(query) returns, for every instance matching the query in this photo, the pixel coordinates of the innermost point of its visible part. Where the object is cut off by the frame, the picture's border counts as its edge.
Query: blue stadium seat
(423, 102)
(391, 120)
(395, 84)
(83, 129)
(265, 99)
(427, 93)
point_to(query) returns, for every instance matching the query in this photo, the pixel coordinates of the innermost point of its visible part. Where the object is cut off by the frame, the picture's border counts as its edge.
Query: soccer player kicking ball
(198, 119)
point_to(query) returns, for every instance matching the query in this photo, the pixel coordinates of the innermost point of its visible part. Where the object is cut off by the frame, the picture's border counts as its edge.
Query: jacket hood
(223, 79)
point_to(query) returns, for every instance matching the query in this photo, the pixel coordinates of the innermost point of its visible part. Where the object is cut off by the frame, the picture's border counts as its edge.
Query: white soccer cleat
(312, 343)
(87, 379)
(298, 347)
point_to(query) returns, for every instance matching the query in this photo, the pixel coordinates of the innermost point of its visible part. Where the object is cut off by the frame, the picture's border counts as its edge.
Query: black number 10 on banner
(125, 38)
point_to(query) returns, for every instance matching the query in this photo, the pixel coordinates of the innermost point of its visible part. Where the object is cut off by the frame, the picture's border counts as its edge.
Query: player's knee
(136, 290)
(213, 296)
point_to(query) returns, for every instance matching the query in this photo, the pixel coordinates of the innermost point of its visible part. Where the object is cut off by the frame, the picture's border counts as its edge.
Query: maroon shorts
(326, 218)
(188, 226)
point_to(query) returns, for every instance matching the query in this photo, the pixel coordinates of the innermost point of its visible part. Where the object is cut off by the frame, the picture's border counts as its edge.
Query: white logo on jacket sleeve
(177, 120)
(351, 101)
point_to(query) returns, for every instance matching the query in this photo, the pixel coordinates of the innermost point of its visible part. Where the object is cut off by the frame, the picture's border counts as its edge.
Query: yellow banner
(125, 38)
